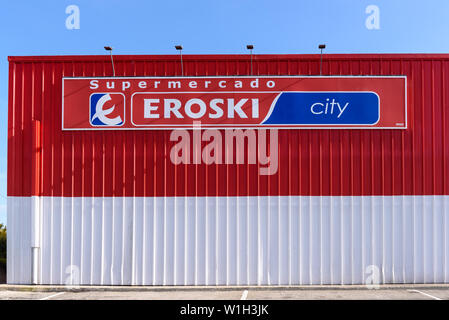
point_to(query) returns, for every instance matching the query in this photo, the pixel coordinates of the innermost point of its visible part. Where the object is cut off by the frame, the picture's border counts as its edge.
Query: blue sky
(222, 26)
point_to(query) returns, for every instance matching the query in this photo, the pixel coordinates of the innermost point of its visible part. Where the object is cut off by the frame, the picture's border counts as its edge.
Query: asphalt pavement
(386, 292)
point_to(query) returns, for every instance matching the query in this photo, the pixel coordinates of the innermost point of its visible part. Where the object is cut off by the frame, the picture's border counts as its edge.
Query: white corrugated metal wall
(284, 240)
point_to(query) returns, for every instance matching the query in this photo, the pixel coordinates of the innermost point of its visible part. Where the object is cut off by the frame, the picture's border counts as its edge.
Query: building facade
(346, 206)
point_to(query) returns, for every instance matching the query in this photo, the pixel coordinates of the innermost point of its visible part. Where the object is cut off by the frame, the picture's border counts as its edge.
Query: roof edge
(340, 56)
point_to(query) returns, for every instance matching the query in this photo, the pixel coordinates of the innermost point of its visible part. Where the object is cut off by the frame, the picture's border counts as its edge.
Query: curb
(60, 288)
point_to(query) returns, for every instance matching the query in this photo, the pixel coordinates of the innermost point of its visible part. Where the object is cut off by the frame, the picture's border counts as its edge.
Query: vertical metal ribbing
(134, 262)
(35, 205)
(421, 225)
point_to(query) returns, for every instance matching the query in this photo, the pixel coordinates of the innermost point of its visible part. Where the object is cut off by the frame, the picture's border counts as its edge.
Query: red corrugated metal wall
(311, 162)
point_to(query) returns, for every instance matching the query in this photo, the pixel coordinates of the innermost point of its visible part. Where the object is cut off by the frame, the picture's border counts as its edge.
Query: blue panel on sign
(325, 108)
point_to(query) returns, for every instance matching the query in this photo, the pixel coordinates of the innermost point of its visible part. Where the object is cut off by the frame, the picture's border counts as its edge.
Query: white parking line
(426, 294)
(52, 296)
(244, 295)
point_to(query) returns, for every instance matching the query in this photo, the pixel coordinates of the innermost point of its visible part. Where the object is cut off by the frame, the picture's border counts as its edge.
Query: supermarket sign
(120, 103)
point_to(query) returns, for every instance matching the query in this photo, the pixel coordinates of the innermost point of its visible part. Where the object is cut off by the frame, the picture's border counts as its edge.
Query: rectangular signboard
(283, 102)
